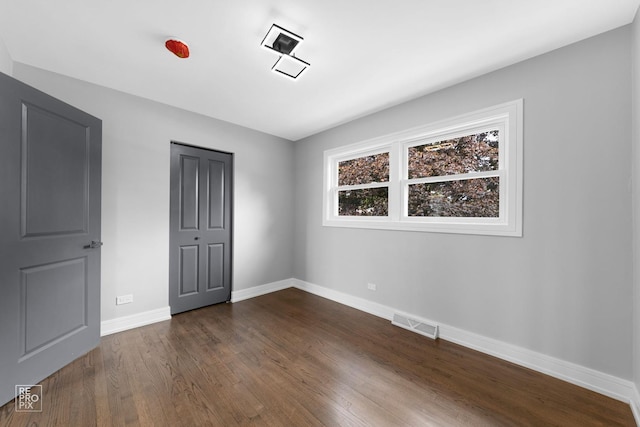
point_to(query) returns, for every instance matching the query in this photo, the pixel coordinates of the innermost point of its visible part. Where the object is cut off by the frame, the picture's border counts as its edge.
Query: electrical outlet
(124, 299)
(371, 286)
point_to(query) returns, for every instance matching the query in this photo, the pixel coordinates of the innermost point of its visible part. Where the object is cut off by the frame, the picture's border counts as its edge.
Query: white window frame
(507, 118)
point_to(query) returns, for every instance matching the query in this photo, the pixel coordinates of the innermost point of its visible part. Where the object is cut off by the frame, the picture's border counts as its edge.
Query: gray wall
(636, 196)
(565, 288)
(6, 63)
(135, 200)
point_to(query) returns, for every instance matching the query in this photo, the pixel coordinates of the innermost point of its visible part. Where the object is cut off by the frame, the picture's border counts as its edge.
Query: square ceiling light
(290, 66)
(280, 40)
(284, 43)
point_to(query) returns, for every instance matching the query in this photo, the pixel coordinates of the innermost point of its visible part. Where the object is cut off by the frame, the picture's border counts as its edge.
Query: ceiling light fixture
(290, 66)
(284, 43)
(280, 40)
(177, 47)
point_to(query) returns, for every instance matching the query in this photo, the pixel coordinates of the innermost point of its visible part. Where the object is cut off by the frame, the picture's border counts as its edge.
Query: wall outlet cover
(124, 299)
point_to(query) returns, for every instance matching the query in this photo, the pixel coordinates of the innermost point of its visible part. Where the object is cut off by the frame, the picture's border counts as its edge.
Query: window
(462, 175)
(363, 186)
(455, 177)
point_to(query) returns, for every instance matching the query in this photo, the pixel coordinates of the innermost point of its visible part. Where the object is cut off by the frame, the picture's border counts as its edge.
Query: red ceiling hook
(177, 47)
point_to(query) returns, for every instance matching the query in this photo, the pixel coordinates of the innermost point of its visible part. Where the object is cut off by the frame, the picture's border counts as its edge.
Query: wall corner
(6, 62)
(635, 201)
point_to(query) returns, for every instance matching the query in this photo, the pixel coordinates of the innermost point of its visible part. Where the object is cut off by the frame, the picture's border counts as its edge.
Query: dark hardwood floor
(295, 359)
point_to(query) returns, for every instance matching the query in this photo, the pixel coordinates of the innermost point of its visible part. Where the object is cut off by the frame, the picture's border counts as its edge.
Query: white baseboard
(124, 323)
(591, 379)
(256, 291)
(361, 304)
(635, 404)
(599, 382)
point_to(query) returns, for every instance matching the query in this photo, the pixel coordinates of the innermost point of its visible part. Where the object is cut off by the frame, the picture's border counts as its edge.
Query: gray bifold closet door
(200, 265)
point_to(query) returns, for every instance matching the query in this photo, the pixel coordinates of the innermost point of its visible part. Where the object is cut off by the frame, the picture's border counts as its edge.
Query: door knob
(94, 244)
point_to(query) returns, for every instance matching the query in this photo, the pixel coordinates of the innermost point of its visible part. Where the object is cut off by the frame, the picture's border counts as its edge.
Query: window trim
(508, 117)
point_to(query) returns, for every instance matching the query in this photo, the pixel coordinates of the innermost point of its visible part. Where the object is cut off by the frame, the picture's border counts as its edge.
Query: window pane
(366, 202)
(472, 153)
(364, 170)
(465, 198)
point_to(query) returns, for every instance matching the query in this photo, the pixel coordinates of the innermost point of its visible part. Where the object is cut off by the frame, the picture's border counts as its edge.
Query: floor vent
(422, 327)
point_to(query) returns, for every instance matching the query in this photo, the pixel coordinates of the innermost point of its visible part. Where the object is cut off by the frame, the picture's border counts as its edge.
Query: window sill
(460, 226)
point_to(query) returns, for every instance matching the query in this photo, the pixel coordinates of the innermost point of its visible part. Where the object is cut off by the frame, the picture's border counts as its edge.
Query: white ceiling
(365, 55)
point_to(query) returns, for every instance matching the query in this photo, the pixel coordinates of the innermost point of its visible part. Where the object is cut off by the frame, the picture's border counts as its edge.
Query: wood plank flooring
(294, 359)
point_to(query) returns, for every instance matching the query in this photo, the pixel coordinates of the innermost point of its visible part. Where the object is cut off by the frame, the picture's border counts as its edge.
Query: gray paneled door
(201, 233)
(50, 172)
